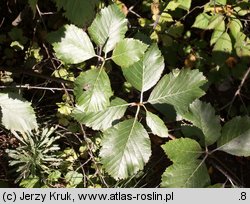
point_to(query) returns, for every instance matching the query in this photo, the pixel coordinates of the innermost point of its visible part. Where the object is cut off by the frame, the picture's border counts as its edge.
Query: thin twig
(197, 7)
(225, 171)
(243, 81)
(20, 70)
(159, 16)
(47, 13)
(238, 91)
(2, 22)
(229, 178)
(92, 156)
(27, 86)
(55, 67)
(133, 6)
(40, 14)
(171, 136)
(156, 21)
(133, 12)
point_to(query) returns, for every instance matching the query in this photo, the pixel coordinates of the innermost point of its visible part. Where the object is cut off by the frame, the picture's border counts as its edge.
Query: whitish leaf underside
(17, 115)
(72, 45)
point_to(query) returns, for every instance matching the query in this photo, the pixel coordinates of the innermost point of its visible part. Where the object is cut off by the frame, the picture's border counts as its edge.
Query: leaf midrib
(169, 95)
(92, 90)
(125, 144)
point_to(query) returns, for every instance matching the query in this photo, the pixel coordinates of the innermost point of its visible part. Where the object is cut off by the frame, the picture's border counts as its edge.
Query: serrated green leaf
(218, 31)
(78, 12)
(104, 119)
(17, 114)
(176, 30)
(223, 44)
(183, 150)
(215, 21)
(184, 4)
(218, 2)
(179, 89)
(16, 34)
(235, 27)
(189, 175)
(54, 176)
(72, 45)
(93, 90)
(202, 115)
(156, 125)
(30, 182)
(172, 5)
(109, 27)
(145, 73)
(242, 8)
(73, 178)
(128, 51)
(235, 137)
(125, 149)
(217, 185)
(202, 21)
(165, 17)
(242, 45)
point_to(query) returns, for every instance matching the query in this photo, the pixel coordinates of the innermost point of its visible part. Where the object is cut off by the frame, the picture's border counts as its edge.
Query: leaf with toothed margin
(188, 175)
(202, 21)
(93, 90)
(187, 170)
(108, 28)
(79, 12)
(145, 73)
(104, 119)
(17, 114)
(128, 51)
(202, 115)
(71, 44)
(178, 89)
(156, 125)
(235, 137)
(182, 150)
(125, 149)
